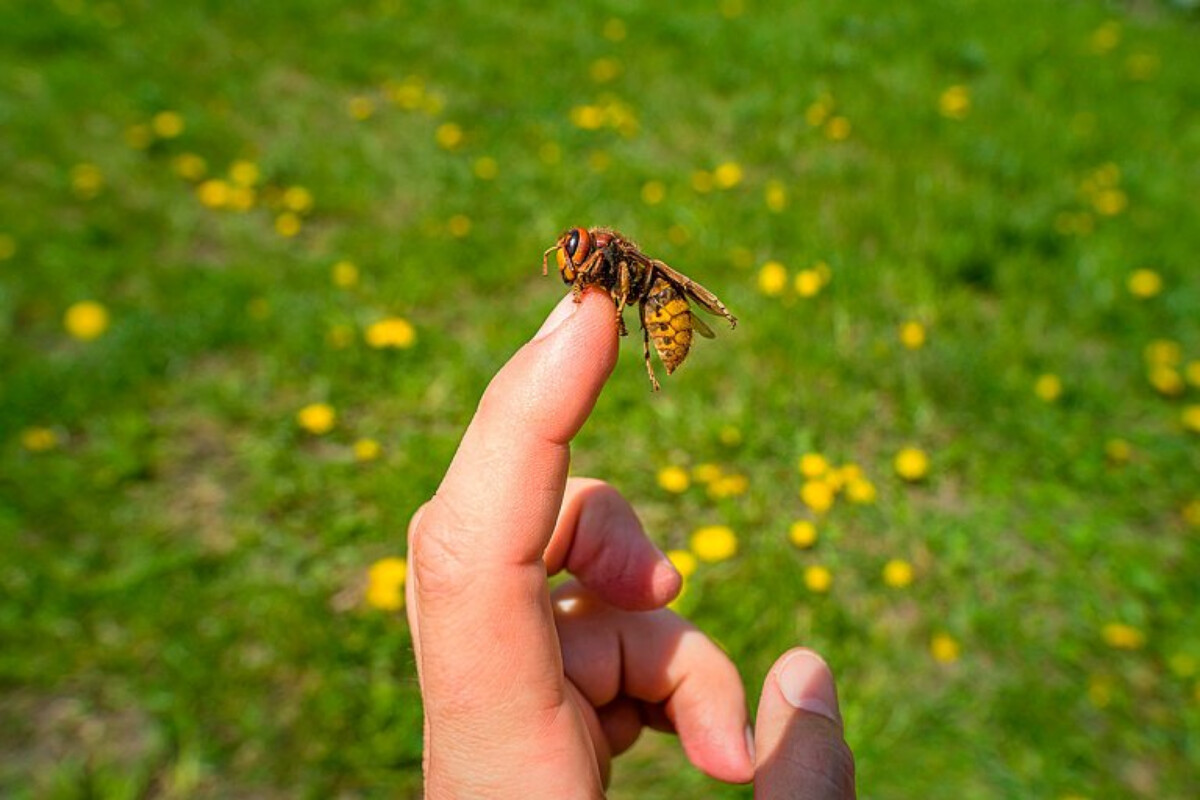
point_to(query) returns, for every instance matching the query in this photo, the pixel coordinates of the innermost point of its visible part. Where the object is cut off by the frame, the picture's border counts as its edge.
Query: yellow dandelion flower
(702, 181)
(816, 114)
(684, 562)
(385, 584)
(213, 193)
(1100, 691)
(241, 198)
(1163, 352)
(587, 117)
(818, 579)
(86, 181)
(486, 168)
(1191, 513)
(392, 332)
(244, 173)
(604, 69)
(730, 435)
(1144, 283)
(550, 153)
(189, 166)
(944, 648)
(897, 573)
(344, 274)
(1120, 636)
(39, 439)
(86, 320)
(1190, 417)
(367, 449)
(808, 282)
(803, 534)
(167, 124)
(775, 196)
(850, 472)
(139, 137)
(1166, 381)
(1118, 451)
(317, 418)
(813, 465)
(837, 129)
(674, 479)
(772, 278)
(706, 473)
(614, 29)
(817, 495)
(912, 335)
(1110, 202)
(728, 486)
(727, 175)
(287, 224)
(714, 543)
(1048, 387)
(911, 464)
(8, 246)
(449, 135)
(1105, 38)
(860, 491)
(339, 336)
(406, 94)
(653, 192)
(297, 199)
(955, 103)
(1191, 372)
(459, 226)
(360, 107)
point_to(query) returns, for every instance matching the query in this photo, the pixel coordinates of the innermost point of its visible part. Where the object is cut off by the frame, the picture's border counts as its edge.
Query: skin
(530, 693)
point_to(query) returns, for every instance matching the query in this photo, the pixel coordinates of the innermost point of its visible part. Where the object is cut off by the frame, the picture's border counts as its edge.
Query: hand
(531, 695)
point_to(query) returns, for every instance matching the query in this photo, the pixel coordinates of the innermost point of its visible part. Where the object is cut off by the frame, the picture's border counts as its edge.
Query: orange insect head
(573, 248)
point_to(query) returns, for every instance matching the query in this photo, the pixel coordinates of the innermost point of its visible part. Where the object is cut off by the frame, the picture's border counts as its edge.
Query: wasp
(606, 258)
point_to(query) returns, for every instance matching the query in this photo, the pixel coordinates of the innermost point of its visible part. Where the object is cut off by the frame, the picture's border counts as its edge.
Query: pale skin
(530, 693)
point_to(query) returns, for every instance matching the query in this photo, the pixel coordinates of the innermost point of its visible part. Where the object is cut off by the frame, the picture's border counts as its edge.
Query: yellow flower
(728, 486)
(449, 135)
(808, 282)
(361, 107)
(287, 224)
(367, 450)
(714, 543)
(731, 9)
(344, 274)
(1106, 37)
(818, 112)
(38, 439)
(604, 70)
(776, 196)
(683, 561)
(1191, 513)
(1048, 387)
(459, 225)
(241, 198)
(728, 175)
(837, 129)
(86, 320)
(587, 117)
(395, 332)
(817, 495)
(944, 648)
(911, 464)
(813, 465)
(955, 103)
(8, 246)
(897, 573)
(653, 192)
(1118, 451)
(1100, 691)
(803, 534)
(317, 418)
(189, 166)
(244, 173)
(673, 479)
(1163, 352)
(1110, 202)
(1144, 283)
(772, 278)
(213, 193)
(818, 579)
(860, 491)
(1166, 381)
(167, 124)
(912, 335)
(486, 168)
(706, 473)
(848, 473)
(385, 584)
(1120, 636)
(1192, 373)
(1183, 665)
(730, 435)
(86, 181)
(297, 199)
(1191, 417)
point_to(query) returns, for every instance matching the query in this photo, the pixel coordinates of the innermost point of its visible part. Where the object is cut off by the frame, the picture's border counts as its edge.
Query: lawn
(258, 261)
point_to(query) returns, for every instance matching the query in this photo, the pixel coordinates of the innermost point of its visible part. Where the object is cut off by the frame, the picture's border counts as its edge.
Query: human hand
(531, 695)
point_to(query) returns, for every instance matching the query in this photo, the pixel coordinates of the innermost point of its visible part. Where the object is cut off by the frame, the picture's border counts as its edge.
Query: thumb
(798, 733)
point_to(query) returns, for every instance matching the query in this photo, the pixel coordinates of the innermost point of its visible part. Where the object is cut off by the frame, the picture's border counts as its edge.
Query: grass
(182, 565)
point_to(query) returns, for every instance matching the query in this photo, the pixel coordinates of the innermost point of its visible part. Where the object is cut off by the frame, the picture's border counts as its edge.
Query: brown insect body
(604, 257)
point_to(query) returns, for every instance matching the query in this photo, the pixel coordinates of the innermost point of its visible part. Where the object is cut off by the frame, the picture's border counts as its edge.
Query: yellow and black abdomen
(667, 318)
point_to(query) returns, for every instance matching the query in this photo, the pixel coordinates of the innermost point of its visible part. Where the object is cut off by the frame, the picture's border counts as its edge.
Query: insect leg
(621, 296)
(654, 387)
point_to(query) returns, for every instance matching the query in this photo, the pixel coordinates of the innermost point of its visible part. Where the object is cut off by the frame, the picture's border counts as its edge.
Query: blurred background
(258, 261)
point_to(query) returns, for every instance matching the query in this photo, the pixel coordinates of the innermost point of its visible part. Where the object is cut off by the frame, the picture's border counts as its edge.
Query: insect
(606, 258)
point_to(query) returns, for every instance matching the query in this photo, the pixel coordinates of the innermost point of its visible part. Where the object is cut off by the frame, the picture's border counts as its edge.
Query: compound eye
(579, 245)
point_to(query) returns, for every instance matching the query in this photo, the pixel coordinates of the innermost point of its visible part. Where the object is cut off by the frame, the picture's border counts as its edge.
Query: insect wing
(703, 296)
(701, 327)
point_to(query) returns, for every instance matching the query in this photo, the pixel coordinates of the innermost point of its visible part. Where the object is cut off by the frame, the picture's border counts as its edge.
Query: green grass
(181, 573)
